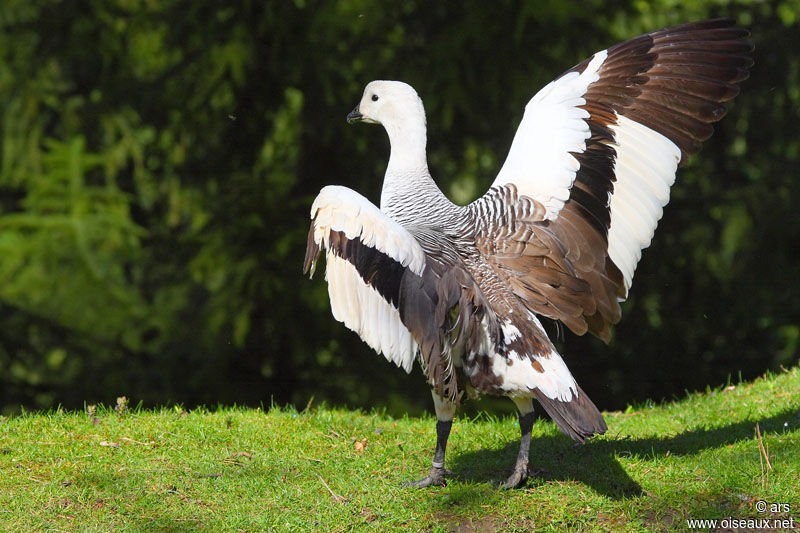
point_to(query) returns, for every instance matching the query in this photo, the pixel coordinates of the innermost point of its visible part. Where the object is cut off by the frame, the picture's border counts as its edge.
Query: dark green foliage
(159, 160)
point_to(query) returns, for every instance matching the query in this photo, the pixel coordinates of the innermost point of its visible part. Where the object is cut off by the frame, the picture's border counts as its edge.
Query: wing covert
(540, 162)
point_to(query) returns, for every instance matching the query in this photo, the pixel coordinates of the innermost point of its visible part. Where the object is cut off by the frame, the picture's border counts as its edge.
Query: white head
(389, 103)
(399, 109)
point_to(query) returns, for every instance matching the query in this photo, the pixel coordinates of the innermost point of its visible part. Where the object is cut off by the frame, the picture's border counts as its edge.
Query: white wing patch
(645, 170)
(341, 209)
(539, 162)
(363, 310)
(353, 301)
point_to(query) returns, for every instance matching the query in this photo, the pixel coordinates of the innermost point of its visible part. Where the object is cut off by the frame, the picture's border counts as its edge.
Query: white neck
(408, 138)
(407, 180)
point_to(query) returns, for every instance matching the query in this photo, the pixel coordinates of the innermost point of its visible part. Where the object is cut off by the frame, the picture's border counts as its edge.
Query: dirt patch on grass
(663, 520)
(481, 524)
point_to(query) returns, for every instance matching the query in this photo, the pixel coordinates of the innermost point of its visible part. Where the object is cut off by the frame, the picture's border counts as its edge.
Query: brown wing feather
(684, 77)
(546, 266)
(673, 81)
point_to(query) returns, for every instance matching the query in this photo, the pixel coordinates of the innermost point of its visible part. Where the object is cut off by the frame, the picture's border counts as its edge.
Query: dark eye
(374, 97)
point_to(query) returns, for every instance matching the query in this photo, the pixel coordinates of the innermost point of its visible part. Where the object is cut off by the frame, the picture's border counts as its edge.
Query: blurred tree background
(159, 158)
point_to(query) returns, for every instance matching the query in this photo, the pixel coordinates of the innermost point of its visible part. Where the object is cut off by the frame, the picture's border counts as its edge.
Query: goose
(462, 289)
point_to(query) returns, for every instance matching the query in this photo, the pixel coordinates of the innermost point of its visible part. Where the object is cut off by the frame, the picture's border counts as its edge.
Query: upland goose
(558, 234)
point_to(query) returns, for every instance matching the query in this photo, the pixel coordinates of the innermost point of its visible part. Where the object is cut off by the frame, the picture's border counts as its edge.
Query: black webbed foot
(434, 478)
(517, 478)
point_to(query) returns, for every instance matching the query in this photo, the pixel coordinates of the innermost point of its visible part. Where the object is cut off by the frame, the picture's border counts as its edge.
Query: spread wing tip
(312, 252)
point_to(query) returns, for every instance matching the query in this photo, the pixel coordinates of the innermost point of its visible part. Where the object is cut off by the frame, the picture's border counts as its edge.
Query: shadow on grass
(556, 458)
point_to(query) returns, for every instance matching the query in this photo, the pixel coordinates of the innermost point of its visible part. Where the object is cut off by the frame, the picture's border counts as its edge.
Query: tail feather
(578, 418)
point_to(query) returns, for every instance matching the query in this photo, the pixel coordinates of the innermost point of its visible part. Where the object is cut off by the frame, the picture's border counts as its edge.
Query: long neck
(409, 193)
(408, 138)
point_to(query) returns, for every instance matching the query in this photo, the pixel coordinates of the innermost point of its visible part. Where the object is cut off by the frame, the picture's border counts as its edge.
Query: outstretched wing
(597, 150)
(367, 257)
(402, 293)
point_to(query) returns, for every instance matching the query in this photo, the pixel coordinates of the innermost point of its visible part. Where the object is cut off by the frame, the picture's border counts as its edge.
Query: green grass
(238, 469)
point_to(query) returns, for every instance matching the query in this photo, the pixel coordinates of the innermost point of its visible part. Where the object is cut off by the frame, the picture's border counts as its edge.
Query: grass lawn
(235, 469)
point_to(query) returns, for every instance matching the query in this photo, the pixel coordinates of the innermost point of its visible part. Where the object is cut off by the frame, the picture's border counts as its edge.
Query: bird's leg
(520, 473)
(436, 474)
(445, 410)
